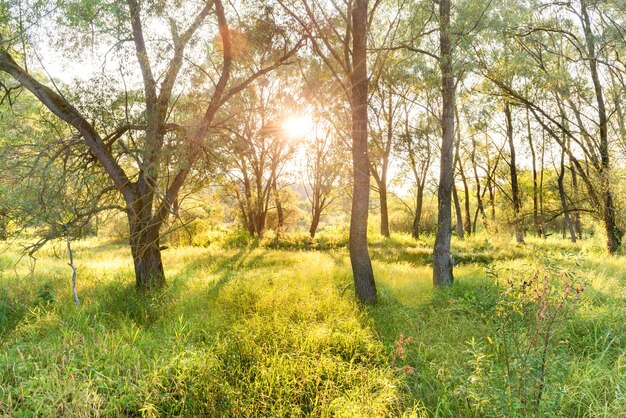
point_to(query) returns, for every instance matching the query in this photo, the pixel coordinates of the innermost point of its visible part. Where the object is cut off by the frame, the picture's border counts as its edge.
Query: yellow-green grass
(272, 329)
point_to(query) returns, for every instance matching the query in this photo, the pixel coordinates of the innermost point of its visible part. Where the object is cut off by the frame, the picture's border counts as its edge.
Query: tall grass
(270, 328)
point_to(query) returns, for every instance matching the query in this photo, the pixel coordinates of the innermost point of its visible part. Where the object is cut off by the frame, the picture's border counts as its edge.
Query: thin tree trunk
(517, 205)
(248, 209)
(479, 196)
(279, 207)
(541, 213)
(417, 219)
(71, 264)
(491, 189)
(4, 224)
(457, 210)
(567, 224)
(384, 209)
(364, 284)
(533, 155)
(467, 223)
(614, 234)
(576, 214)
(316, 209)
(442, 260)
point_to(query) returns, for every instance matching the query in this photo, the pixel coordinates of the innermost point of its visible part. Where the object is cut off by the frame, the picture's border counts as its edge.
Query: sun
(298, 126)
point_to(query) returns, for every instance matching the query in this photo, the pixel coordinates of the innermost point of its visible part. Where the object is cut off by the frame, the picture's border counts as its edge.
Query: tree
(343, 50)
(323, 169)
(258, 148)
(467, 221)
(415, 145)
(515, 191)
(442, 260)
(383, 130)
(147, 178)
(560, 77)
(364, 284)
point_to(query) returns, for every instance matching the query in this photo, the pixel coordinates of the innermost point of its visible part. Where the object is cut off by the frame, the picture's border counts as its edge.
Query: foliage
(512, 374)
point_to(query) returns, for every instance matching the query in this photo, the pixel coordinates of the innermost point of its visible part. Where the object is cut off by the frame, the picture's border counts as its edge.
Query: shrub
(511, 373)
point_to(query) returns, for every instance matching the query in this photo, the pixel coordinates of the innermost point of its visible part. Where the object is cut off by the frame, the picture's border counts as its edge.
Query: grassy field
(272, 329)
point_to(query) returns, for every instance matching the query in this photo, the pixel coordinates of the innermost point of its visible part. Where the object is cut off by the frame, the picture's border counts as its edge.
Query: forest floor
(272, 329)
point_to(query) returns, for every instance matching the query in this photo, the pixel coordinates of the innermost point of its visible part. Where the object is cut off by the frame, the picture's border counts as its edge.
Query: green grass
(272, 329)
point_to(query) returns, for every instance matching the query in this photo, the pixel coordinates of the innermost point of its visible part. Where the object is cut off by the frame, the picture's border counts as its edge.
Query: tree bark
(576, 214)
(541, 212)
(517, 204)
(145, 249)
(567, 223)
(3, 225)
(480, 208)
(384, 209)
(533, 156)
(442, 260)
(467, 223)
(280, 213)
(364, 284)
(457, 212)
(417, 219)
(315, 221)
(491, 187)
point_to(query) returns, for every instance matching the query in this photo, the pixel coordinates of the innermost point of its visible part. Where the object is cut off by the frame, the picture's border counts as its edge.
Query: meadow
(271, 328)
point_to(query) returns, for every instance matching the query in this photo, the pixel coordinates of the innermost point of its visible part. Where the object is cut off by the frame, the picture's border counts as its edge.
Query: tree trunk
(533, 155)
(4, 223)
(442, 260)
(576, 214)
(567, 223)
(384, 210)
(541, 213)
(364, 284)
(417, 219)
(614, 235)
(260, 223)
(315, 221)
(146, 252)
(491, 187)
(517, 205)
(467, 223)
(279, 208)
(248, 208)
(457, 211)
(479, 196)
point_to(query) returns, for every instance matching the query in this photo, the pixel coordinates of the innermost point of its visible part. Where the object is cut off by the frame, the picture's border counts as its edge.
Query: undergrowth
(271, 329)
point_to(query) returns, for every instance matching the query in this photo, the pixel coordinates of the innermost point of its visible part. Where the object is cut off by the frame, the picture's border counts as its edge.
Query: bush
(511, 372)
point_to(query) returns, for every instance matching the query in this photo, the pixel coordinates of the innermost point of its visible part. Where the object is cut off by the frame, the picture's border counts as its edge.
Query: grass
(272, 329)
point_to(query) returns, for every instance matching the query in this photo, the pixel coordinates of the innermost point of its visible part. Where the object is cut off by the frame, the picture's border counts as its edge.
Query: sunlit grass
(271, 328)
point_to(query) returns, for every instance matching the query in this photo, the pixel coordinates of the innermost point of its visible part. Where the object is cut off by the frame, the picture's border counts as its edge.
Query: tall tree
(323, 169)
(442, 260)
(415, 145)
(385, 107)
(146, 186)
(364, 284)
(515, 192)
(344, 52)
